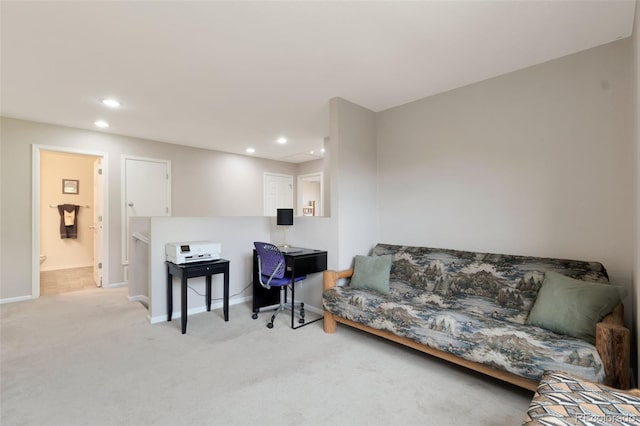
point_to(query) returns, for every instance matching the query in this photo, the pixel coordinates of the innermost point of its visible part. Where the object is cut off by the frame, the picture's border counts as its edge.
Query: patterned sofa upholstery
(470, 308)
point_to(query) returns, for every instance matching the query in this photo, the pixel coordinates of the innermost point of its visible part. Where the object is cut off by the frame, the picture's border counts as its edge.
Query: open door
(98, 224)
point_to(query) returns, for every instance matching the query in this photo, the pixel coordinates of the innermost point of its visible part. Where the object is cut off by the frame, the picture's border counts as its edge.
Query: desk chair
(271, 273)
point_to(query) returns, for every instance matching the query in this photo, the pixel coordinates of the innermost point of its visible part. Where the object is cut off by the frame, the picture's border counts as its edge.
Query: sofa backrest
(499, 285)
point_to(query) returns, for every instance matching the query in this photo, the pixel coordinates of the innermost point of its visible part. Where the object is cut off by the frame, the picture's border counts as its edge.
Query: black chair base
(279, 308)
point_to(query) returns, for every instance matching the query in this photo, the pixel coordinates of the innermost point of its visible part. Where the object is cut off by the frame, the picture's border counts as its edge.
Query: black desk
(191, 270)
(307, 261)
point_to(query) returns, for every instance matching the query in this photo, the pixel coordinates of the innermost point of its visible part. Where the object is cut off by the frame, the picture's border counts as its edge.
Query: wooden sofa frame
(612, 343)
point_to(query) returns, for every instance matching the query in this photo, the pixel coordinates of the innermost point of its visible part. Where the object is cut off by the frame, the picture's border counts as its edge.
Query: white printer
(192, 251)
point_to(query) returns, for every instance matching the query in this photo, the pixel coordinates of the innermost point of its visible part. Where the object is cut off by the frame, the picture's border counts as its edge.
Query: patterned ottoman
(562, 399)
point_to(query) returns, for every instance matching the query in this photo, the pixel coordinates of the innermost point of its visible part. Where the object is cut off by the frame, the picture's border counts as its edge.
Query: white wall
(352, 164)
(211, 172)
(536, 162)
(308, 167)
(315, 233)
(139, 266)
(236, 234)
(65, 253)
(2, 233)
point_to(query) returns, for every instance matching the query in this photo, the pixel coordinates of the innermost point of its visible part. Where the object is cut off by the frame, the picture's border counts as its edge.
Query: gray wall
(314, 166)
(535, 162)
(353, 179)
(205, 183)
(636, 74)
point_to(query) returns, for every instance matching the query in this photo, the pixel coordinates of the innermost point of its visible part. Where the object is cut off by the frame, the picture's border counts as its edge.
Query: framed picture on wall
(70, 186)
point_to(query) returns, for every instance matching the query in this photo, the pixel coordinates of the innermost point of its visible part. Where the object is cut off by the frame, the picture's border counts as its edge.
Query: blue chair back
(271, 261)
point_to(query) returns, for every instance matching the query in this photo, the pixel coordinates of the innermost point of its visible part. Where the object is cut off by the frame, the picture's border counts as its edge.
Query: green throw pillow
(372, 272)
(573, 307)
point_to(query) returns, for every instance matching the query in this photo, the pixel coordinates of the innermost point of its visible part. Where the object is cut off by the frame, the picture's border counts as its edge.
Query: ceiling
(232, 75)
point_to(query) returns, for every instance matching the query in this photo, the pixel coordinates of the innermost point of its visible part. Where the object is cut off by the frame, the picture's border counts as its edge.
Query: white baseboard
(30, 297)
(139, 298)
(218, 305)
(197, 310)
(16, 299)
(314, 309)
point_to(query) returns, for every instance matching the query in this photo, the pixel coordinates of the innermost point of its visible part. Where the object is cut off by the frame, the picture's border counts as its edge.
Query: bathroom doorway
(69, 223)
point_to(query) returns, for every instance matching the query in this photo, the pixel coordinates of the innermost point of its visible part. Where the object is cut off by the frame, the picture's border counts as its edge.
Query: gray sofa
(472, 309)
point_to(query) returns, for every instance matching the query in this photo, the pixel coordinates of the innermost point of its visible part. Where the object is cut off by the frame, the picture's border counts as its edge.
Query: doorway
(69, 202)
(311, 194)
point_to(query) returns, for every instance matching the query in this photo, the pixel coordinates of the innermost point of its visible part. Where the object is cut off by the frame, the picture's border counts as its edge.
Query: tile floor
(64, 280)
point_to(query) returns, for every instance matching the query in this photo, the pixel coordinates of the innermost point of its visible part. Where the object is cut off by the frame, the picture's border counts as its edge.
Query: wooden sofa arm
(330, 280)
(331, 277)
(613, 345)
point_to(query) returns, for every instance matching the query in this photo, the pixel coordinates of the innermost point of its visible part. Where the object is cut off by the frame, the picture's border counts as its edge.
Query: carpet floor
(91, 358)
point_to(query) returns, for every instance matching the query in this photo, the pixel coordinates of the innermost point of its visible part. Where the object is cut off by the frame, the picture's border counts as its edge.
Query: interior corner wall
(636, 274)
(2, 236)
(353, 164)
(535, 162)
(228, 185)
(326, 177)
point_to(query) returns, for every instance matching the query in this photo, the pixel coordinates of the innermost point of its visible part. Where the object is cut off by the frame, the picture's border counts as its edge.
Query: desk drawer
(201, 270)
(308, 264)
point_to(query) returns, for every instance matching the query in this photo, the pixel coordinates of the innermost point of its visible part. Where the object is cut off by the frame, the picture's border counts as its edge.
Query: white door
(98, 222)
(278, 193)
(147, 192)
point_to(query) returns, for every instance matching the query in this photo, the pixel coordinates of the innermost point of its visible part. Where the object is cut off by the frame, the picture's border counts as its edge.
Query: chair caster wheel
(301, 320)
(270, 325)
(254, 316)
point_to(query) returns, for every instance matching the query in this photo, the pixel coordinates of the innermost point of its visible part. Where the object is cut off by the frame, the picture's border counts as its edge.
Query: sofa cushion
(372, 272)
(519, 349)
(572, 307)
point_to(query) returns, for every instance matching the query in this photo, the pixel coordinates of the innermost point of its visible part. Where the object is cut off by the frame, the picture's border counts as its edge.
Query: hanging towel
(68, 220)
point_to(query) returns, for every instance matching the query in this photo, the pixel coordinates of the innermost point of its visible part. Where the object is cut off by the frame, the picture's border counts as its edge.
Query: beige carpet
(91, 358)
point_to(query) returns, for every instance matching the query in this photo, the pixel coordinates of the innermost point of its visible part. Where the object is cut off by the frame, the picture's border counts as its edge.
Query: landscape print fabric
(473, 305)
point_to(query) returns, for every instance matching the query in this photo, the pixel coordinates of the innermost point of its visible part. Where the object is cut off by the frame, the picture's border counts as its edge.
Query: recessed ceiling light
(250, 150)
(322, 150)
(101, 123)
(282, 140)
(111, 103)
